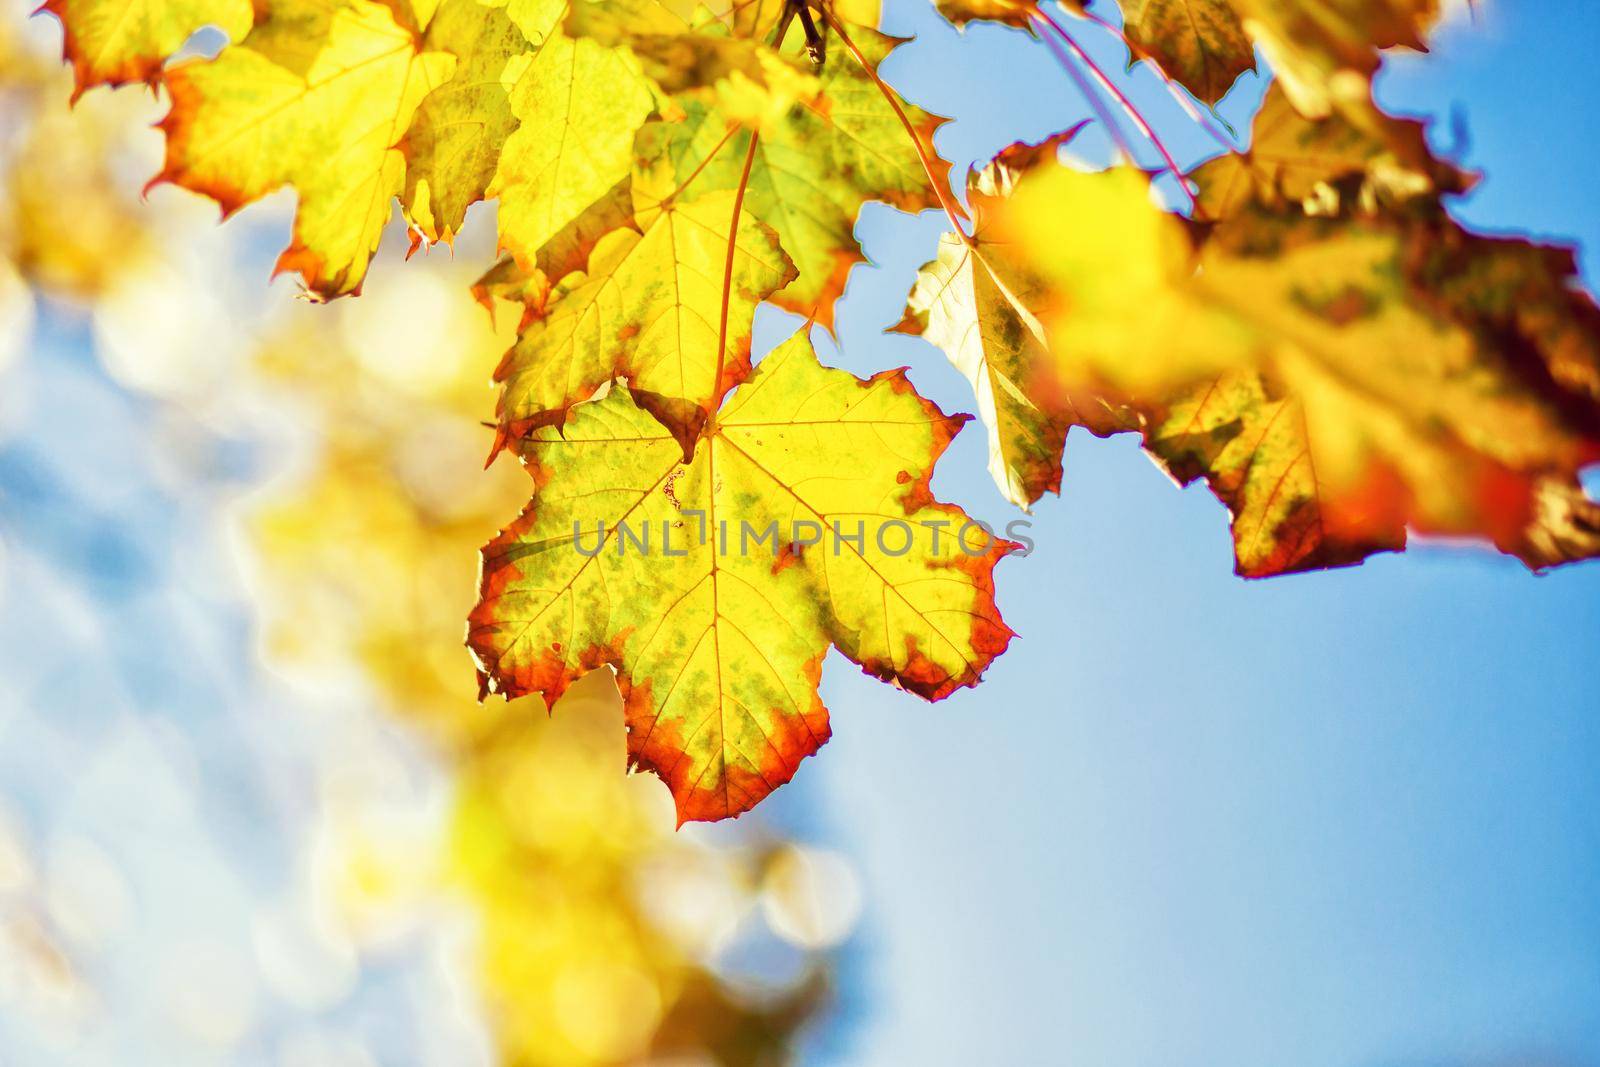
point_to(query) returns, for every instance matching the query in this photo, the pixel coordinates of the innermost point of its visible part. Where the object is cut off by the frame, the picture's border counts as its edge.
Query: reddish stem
(1177, 93)
(940, 189)
(1117, 94)
(1085, 88)
(727, 267)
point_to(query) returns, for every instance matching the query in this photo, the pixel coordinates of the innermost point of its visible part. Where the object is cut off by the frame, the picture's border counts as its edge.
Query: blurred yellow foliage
(597, 919)
(66, 224)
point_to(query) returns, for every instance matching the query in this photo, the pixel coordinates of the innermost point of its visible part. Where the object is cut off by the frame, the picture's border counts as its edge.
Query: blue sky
(1340, 819)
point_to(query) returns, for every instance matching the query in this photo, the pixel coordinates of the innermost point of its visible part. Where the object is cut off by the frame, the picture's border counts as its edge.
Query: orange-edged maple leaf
(803, 520)
(1248, 442)
(317, 97)
(118, 42)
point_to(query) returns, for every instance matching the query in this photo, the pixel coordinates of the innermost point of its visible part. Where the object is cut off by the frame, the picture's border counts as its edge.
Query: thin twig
(940, 189)
(1117, 94)
(1178, 94)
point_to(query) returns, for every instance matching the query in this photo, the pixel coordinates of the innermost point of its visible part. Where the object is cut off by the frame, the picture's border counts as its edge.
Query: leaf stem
(1085, 88)
(940, 189)
(727, 266)
(1047, 21)
(699, 168)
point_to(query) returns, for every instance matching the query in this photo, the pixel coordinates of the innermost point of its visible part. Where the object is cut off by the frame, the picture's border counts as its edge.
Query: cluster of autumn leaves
(1317, 339)
(602, 935)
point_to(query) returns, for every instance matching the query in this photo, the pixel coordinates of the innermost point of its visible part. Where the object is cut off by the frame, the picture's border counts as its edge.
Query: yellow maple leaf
(717, 633)
(670, 309)
(578, 104)
(813, 165)
(115, 42)
(317, 97)
(454, 143)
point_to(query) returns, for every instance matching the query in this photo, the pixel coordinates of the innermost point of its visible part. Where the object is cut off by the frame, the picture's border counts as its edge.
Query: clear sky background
(1332, 820)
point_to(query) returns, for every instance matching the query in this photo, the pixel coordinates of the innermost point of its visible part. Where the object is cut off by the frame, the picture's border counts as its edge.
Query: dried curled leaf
(717, 631)
(982, 306)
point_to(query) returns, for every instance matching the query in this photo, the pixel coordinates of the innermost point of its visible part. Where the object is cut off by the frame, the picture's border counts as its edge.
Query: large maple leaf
(803, 520)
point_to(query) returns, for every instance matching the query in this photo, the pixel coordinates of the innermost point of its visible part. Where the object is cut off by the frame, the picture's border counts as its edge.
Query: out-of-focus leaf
(1313, 163)
(1446, 382)
(593, 914)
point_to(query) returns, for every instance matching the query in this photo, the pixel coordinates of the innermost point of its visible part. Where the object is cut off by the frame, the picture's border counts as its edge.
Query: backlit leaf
(1312, 163)
(1251, 448)
(649, 308)
(1202, 44)
(1323, 51)
(579, 104)
(813, 167)
(1446, 381)
(453, 145)
(115, 42)
(718, 650)
(314, 97)
(981, 306)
